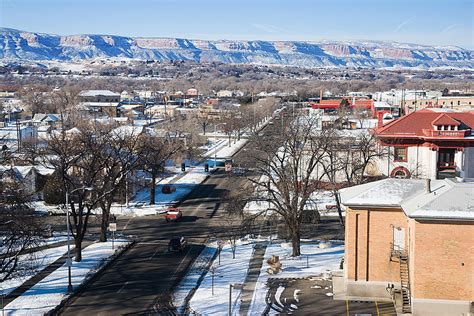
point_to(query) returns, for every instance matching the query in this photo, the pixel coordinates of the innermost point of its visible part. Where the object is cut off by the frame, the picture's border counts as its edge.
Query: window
(400, 153)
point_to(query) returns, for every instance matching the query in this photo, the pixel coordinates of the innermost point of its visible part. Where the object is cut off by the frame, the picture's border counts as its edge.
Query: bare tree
(347, 158)
(119, 158)
(287, 164)
(20, 230)
(155, 151)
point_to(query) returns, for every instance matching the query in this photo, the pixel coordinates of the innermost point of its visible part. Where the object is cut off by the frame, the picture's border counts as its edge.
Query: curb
(185, 307)
(70, 298)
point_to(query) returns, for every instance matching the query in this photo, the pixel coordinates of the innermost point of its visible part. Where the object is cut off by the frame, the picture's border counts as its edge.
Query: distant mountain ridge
(20, 45)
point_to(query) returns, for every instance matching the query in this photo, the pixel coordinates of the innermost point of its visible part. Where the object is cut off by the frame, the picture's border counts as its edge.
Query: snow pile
(40, 261)
(49, 292)
(230, 271)
(313, 261)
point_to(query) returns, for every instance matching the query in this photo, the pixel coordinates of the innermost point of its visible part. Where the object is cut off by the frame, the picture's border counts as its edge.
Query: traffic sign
(113, 227)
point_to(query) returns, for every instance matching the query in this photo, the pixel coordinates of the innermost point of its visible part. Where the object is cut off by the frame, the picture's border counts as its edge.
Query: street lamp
(69, 261)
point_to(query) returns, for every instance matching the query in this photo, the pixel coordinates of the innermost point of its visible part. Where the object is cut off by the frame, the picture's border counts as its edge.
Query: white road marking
(177, 269)
(125, 227)
(122, 287)
(154, 253)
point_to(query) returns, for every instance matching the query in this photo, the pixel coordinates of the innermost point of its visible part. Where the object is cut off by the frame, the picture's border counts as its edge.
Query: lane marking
(125, 227)
(377, 308)
(181, 262)
(347, 307)
(154, 253)
(120, 290)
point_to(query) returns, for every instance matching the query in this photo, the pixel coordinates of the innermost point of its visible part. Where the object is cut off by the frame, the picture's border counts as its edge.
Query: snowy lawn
(49, 292)
(139, 205)
(39, 260)
(313, 261)
(230, 271)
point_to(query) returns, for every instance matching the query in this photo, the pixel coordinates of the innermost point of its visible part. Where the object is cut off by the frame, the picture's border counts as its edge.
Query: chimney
(380, 119)
(428, 186)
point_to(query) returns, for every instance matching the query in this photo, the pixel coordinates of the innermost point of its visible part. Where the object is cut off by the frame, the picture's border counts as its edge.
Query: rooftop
(447, 199)
(93, 93)
(415, 123)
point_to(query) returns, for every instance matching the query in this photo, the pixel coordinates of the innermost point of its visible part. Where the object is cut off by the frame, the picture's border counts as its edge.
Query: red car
(173, 215)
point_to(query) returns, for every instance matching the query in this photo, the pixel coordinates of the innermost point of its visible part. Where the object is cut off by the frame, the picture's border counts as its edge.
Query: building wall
(422, 162)
(467, 162)
(443, 253)
(377, 250)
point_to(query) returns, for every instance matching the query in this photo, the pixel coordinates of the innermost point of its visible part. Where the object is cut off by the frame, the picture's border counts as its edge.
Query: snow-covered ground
(322, 200)
(48, 293)
(313, 261)
(39, 261)
(139, 205)
(230, 271)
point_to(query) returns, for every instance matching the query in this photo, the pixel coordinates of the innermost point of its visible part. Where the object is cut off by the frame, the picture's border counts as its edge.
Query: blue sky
(438, 22)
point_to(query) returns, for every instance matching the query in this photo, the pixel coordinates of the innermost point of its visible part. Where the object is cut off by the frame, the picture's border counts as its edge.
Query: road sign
(113, 227)
(68, 262)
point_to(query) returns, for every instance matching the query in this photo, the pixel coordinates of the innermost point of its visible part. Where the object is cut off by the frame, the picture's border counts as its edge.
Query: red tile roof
(413, 124)
(444, 119)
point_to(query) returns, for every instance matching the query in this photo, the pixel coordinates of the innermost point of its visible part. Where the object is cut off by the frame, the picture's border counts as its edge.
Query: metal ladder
(405, 282)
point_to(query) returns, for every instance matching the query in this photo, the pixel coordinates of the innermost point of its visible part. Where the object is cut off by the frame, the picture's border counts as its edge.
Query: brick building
(431, 143)
(411, 241)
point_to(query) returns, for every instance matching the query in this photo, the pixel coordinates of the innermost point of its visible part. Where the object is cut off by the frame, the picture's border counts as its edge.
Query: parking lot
(313, 296)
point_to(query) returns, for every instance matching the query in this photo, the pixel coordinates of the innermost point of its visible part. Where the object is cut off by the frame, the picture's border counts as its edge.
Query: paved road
(147, 271)
(140, 281)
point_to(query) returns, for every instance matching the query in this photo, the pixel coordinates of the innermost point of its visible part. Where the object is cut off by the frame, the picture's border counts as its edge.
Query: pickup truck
(173, 215)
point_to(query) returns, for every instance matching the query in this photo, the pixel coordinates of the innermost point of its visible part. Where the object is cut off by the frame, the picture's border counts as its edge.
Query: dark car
(177, 244)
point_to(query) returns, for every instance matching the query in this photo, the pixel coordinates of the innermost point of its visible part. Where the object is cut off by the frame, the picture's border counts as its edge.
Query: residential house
(430, 143)
(100, 102)
(410, 241)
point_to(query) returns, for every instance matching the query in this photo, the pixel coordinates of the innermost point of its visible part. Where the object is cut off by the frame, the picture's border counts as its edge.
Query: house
(225, 94)
(410, 241)
(43, 119)
(430, 143)
(329, 105)
(99, 96)
(100, 102)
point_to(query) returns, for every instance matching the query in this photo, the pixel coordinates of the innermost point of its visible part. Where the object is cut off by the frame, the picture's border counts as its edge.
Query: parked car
(168, 189)
(173, 215)
(177, 244)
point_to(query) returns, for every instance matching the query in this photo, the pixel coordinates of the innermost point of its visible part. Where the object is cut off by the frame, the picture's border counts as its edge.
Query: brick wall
(444, 255)
(381, 222)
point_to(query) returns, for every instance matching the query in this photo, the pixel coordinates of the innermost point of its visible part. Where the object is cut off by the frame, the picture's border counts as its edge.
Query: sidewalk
(250, 282)
(25, 286)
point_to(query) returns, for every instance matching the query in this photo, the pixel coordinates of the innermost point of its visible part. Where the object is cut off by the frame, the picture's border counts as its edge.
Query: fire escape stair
(405, 283)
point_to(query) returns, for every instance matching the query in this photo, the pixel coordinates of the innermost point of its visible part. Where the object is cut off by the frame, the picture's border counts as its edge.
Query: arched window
(400, 173)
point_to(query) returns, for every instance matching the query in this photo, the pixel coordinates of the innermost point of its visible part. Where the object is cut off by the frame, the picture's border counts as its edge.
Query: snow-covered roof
(38, 117)
(93, 93)
(447, 199)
